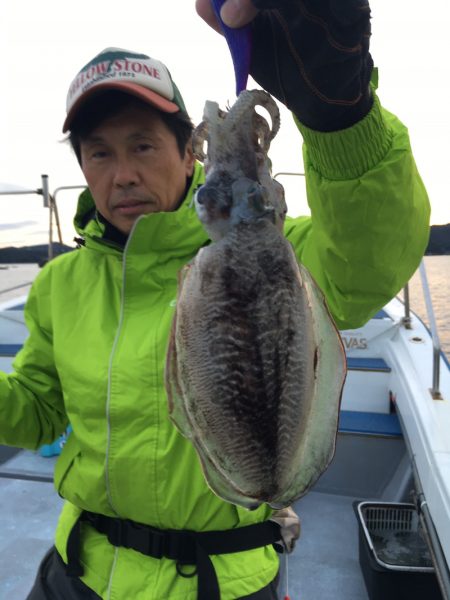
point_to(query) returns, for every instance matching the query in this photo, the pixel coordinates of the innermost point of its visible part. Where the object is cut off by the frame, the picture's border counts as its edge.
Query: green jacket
(98, 322)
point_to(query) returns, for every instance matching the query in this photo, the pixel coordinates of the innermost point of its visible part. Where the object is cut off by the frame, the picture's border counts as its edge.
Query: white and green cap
(136, 74)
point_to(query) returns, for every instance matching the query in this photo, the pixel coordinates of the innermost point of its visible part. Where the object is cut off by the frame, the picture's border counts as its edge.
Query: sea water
(438, 276)
(402, 548)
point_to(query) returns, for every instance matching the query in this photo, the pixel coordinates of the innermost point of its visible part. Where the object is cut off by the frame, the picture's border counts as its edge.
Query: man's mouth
(131, 206)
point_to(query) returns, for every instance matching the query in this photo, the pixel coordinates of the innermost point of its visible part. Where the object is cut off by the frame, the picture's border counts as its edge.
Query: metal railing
(434, 333)
(437, 349)
(49, 201)
(43, 191)
(288, 173)
(54, 212)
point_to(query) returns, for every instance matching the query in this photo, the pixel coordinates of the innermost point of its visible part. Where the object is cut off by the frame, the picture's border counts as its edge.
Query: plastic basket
(394, 556)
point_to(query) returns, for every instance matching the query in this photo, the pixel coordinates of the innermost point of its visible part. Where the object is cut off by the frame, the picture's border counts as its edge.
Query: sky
(44, 44)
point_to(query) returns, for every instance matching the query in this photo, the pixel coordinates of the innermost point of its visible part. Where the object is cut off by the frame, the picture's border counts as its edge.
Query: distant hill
(439, 242)
(31, 254)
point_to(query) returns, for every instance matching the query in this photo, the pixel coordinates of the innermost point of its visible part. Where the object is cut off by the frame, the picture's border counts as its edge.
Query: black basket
(393, 553)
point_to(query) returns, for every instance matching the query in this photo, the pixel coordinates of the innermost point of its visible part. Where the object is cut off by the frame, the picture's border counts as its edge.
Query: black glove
(313, 55)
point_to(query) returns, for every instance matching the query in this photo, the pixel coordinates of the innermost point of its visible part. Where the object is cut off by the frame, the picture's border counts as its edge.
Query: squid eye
(243, 188)
(202, 195)
(254, 192)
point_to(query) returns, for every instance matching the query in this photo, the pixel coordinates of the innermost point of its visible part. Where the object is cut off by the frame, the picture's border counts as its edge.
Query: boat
(377, 523)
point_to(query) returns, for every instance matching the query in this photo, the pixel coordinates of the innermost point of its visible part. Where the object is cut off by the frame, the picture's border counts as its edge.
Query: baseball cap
(118, 69)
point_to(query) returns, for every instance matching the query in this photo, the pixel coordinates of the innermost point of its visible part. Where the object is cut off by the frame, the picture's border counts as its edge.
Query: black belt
(183, 546)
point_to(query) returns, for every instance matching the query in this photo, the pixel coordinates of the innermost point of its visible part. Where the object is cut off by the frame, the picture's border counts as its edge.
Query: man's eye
(144, 147)
(99, 154)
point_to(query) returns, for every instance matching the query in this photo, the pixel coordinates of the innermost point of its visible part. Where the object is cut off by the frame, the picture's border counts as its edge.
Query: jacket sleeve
(31, 404)
(369, 222)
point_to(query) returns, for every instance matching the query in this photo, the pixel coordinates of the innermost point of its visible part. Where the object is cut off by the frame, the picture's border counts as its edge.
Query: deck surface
(27, 520)
(325, 562)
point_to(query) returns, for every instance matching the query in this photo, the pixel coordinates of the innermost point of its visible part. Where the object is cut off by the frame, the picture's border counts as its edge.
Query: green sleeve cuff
(348, 153)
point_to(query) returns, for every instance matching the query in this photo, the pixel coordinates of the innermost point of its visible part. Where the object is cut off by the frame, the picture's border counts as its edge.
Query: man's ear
(189, 160)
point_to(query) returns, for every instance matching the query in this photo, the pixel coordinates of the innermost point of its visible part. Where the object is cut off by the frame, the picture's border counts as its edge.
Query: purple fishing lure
(240, 44)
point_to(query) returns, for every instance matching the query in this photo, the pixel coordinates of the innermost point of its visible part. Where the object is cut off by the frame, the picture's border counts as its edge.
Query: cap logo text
(107, 69)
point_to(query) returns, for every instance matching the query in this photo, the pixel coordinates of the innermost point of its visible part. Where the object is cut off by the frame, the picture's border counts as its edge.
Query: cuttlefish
(255, 365)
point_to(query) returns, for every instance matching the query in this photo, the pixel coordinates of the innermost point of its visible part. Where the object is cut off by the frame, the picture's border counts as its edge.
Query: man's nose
(125, 174)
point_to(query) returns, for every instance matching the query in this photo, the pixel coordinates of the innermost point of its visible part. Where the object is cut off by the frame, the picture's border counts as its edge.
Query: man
(99, 317)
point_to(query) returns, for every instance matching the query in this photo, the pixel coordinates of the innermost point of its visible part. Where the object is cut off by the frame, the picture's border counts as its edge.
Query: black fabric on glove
(313, 56)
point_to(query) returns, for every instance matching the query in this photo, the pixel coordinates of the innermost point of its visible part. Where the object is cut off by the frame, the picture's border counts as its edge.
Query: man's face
(132, 166)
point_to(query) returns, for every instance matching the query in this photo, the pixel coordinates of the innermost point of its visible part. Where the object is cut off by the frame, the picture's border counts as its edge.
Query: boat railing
(435, 392)
(67, 187)
(437, 349)
(42, 191)
(54, 213)
(280, 173)
(49, 201)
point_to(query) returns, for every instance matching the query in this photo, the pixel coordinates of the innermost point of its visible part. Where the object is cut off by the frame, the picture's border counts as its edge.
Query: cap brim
(139, 91)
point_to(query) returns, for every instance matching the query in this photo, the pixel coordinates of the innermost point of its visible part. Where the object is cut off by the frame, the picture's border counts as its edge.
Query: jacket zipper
(111, 358)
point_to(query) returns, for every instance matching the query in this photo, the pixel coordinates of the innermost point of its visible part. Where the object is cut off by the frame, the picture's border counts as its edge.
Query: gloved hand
(290, 527)
(313, 56)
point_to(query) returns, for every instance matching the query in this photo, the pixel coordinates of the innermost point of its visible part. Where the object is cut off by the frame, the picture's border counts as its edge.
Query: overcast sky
(44, 44)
